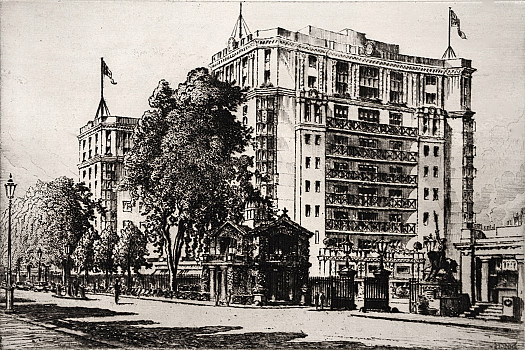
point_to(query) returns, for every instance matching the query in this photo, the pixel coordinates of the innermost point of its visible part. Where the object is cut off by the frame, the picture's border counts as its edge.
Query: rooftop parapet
(346, 41)
(109, 120)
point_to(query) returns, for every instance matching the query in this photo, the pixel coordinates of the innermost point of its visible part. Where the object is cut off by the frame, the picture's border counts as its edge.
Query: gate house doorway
(282, 285)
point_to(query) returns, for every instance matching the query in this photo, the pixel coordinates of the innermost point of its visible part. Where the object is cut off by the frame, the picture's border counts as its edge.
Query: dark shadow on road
(52, 312)
(133, 334)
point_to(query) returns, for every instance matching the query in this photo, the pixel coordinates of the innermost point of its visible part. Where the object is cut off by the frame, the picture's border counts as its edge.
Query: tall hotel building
(357, 140)
(102, 144)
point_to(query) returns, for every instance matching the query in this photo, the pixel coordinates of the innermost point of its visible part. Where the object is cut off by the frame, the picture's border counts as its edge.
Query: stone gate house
(268, 262)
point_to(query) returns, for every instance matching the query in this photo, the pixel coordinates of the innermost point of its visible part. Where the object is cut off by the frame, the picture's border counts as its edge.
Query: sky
(50, 70)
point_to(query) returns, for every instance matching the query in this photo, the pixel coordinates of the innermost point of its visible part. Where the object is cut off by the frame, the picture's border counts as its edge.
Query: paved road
(16, 334)
(144, 322)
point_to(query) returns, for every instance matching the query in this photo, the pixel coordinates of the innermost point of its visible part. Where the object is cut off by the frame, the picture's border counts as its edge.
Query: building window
(307, 210)
(368, 82)
(425, 193)
(436, 151)
(318, 186)
(426, 150)
(317, 163)
(367, 216)
(341, 77)
(425, 171)
(312, 61)
(368, 115)
(307, 138)
(394, 217)
(126, 206)
(307, 186)
(267, 76)
(425, 218)
(366, 168)
(396, 145)
(341, 189)
(369, 143)
(317, 114)
(430, 80)
(340, 112)
(317, 139)
(403, 270)
(430, 98)
(436, 171)
(341, 140)
(307, 162)
(340, 215)
(316, 237)
(317, 210)
(395, 193)
(435, 194)
(307, 112)
(396, 118)
(396, 87)
(311, 82)
(395, 170)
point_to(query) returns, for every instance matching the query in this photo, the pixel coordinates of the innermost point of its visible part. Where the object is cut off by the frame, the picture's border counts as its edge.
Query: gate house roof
(281, 225)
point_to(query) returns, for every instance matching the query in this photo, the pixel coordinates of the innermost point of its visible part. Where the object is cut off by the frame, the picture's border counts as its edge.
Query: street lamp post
(417, 247)
(347, 248)
(39, 252)
(382, 247)
(10, 187)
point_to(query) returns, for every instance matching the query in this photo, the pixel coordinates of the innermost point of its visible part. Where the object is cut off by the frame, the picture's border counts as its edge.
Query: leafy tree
(131, 250)
(84, 254)
(103, 257)
(52, 216)
(185, 164)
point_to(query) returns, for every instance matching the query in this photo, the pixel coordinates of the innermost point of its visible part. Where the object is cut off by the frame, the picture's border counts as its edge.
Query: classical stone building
(498, 261)
(357, 139)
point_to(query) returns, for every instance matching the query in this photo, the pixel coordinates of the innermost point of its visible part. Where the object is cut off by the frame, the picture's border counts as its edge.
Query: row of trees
(56, 218)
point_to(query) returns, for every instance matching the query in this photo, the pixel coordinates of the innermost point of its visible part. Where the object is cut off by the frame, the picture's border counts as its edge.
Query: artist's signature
(505, 346)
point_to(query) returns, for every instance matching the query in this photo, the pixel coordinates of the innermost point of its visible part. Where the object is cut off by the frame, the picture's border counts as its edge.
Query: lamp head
(10, 187)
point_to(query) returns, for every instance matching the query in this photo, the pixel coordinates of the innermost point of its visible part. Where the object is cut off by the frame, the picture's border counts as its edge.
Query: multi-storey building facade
(357, 141)
(102, 143)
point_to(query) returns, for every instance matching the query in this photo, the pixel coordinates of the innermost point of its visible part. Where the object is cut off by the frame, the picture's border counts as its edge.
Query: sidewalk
(402, 317)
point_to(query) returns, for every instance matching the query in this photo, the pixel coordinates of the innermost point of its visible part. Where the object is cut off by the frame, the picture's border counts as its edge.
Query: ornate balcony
(373, 128)
(372, 177)
(370, 201)
(371, 153)
(370, 226)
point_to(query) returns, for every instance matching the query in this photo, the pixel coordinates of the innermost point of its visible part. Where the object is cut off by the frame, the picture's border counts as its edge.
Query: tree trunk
(173, 253)
(129, 274)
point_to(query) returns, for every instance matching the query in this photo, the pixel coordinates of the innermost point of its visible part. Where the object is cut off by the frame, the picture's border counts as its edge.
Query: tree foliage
(103, 246)
(186, 166)
(131, 250)
(51, 216)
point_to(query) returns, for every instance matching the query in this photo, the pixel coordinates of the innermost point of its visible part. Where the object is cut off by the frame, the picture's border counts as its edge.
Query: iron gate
(376, 294)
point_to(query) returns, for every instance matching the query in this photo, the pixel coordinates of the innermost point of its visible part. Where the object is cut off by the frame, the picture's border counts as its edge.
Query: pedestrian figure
(321, 299)
(117, 290)
(316, 298)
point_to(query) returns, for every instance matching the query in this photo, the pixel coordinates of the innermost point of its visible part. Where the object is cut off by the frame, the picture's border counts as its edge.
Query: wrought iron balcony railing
(370, 226)
(370, 201)
(371, 153)
(372, 177)
(374, 128)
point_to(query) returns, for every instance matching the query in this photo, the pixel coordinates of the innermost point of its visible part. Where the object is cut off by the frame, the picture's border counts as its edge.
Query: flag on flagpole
(454, 22)
(108, 73)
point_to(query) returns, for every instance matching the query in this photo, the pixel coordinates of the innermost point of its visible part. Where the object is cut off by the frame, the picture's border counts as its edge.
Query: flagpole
(449, 23)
